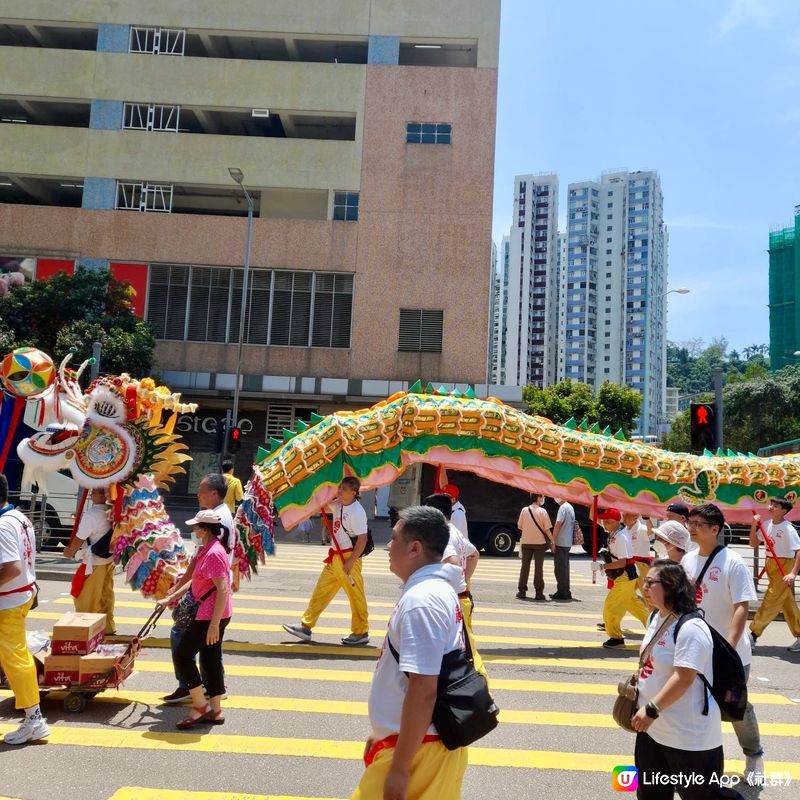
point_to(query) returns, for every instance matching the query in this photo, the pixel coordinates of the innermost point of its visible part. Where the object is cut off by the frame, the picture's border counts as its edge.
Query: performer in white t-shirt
(621, 597)
(96, 594)
(403, 754)
(640, 544)
(463, 554)
(459, 515)
(17, 591)
(724, 594)
(342, 568)
(678, 724)
(780, 592)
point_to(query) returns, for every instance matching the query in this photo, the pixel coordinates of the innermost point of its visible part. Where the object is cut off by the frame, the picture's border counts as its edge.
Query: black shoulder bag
(464, 710)
(369, 547)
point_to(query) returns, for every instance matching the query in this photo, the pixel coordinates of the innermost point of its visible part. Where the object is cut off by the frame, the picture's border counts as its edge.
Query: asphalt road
(296, 714)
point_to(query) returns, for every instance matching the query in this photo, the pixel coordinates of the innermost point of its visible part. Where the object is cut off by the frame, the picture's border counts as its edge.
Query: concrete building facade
(365, 132)
(532, 320)
(499, 312)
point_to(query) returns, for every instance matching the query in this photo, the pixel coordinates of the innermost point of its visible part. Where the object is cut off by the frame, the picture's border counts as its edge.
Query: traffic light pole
(225, 437)
(718, 403)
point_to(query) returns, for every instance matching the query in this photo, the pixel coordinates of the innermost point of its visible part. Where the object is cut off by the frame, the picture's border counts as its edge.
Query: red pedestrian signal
(703, 427)
(235, 440)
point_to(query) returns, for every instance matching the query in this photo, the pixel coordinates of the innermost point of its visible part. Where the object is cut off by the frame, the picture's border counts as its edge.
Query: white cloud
(745, 13)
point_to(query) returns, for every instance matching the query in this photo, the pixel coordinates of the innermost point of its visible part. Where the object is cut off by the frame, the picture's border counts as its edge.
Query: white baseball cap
(205, 517)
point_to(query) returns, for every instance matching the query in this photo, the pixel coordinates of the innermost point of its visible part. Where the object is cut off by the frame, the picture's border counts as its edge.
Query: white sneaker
(795, 648)
(30, 730)
(754, 770)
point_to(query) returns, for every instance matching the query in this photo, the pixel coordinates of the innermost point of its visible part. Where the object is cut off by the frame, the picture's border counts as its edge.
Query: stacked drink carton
(72, 656)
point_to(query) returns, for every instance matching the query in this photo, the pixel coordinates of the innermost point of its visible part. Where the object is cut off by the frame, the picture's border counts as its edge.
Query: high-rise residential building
(364, 131)
(532, 320)
(561, 269)
(784, 295)
(499, 311)
(615, 319)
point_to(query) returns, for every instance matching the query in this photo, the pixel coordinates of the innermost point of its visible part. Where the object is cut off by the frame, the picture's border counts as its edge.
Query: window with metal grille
(345, 206)
(157, 41)
(151, 117)
(420, 331)
(298, 309)
(429, 133)
(134, 196)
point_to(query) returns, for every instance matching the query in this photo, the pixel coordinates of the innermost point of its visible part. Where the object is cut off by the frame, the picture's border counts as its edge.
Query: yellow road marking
(235, 625)
(232, 646)
(522, 609)
(269, 612)
(212, 742)
(364, 676)
(140, 793)
(351, 708)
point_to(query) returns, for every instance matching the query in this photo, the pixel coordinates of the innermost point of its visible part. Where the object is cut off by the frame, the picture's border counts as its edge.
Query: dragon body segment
(501, 443)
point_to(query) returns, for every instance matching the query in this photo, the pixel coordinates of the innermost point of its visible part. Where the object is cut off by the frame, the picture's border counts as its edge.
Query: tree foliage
(613, 405)
(691, 365)
(759, 409)
(67, 311)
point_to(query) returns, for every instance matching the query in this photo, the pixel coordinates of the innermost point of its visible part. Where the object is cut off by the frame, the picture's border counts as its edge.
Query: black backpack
(102, 547)
(729, 688)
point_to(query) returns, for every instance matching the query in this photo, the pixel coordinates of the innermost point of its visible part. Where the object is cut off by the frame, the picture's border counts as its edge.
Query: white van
(51, 503)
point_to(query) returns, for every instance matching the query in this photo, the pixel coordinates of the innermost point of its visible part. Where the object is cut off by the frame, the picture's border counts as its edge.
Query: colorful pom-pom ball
(26, 372)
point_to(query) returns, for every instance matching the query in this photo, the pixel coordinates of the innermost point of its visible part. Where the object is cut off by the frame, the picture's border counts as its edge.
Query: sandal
(204, 717)
(215, 717)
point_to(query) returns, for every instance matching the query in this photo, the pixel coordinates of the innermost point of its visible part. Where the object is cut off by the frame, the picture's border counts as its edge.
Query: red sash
(391, 741)
(78, 579)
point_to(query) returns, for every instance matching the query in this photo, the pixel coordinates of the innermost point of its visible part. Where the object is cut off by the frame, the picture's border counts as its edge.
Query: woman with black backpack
(678, 724)
(93, 584)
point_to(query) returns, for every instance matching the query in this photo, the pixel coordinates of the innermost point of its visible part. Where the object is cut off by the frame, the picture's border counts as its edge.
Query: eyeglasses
(648, 582)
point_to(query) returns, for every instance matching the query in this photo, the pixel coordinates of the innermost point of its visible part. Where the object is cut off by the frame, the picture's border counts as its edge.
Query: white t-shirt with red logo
(726, 582)
(681, 725)
(17, 543)
(425, 624)
(639, 540)
(462, 549)
(348, 521)
(785, 540)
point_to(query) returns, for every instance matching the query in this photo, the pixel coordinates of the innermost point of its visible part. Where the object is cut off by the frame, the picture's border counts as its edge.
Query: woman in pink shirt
(211, 585)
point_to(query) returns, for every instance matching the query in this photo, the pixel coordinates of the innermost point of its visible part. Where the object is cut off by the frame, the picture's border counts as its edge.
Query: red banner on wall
(136, 276)
(47, 267)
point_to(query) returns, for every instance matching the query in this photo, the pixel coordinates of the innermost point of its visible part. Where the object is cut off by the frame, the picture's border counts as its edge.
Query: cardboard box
(61, 670)
(78, 634)
(94, 668)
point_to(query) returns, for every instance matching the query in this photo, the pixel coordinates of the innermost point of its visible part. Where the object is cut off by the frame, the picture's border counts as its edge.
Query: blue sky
(707, 92)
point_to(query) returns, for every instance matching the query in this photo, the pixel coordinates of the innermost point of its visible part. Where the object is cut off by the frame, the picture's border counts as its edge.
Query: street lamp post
(644, 423)
(238, 177)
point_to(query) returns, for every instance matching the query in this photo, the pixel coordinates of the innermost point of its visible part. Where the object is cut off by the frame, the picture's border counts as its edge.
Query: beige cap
(674, 533)
(205, 517)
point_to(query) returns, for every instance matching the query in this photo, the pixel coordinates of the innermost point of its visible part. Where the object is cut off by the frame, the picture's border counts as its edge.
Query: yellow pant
(466, 610)
(331, 579)
(97, 595)
(622, 597)
(778, 597)
(15, 658)
(642, 568)
(436, 774)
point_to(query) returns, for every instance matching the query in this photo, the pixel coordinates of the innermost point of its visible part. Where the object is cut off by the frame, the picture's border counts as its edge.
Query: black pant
(561, 570)
(654, 759)
(193, 642)
(535, 552)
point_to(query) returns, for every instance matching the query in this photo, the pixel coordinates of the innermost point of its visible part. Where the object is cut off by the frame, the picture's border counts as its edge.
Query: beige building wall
(423, 237)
